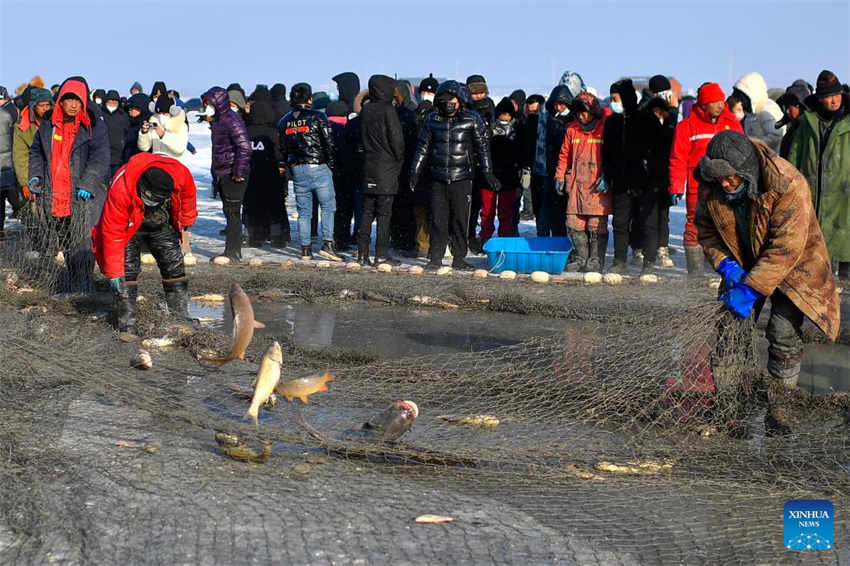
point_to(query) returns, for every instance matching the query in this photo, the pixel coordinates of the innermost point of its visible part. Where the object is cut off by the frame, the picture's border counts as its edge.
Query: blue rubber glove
(674, 199)
(34, 185)
(83, 194)
(732, 272)
(740, 300)
(115, 284)
(559, 187)
(601, 185)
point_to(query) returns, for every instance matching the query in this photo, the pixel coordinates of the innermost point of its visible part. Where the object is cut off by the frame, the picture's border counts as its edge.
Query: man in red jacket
(151, 200)
(708, 117)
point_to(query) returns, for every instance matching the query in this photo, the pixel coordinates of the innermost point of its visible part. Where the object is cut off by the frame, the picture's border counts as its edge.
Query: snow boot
(579, 258)
(695, 259)
(593, 263)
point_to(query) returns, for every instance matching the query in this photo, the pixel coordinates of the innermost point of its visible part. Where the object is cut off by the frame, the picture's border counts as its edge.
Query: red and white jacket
(689, 144)
(124, 210)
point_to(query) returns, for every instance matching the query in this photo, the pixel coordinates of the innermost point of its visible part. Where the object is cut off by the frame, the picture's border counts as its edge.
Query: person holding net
(757, 226)
(151, 200)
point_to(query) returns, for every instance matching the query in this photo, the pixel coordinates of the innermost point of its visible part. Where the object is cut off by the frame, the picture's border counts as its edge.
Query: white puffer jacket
(761, 123)
(175, 140)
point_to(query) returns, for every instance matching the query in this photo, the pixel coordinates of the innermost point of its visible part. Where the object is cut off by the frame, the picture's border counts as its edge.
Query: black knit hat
(828, 84)
(535, 98)
(163, 104)
(155, 185)
(112, 95)
(659, 83)
(300, 93)
(729, 153)
(429, 85)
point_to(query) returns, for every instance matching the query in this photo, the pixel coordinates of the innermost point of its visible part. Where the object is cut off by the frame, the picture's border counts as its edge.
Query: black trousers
(474, 210)
(379, 208)
(13, 195)
(450, 218)
(232, 194)
(403, 224)
(164, 244)
(553, 211)
(344, 214)
(625, 206)
(653, 212)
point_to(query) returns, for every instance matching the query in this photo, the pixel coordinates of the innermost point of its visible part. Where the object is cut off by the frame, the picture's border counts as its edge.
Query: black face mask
(447, 108)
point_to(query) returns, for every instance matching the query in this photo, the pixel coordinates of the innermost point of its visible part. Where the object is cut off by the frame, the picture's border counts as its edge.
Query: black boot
(363, 256)
(579, 257)
(601, 248)
(387, 259)
(177, 298)
(306, 253)
(696, 260)
(125, 308)
(593, 264)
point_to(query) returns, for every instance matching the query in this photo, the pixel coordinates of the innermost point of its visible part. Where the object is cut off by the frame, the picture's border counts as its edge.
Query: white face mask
(209, 110)
(111, 108)
(234, 108)
(616, 107)
(98, 100)
(429, 96)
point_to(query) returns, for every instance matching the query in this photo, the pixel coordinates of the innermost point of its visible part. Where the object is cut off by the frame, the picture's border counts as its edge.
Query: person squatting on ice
(307, 143)
(758, 227)
(151, 201)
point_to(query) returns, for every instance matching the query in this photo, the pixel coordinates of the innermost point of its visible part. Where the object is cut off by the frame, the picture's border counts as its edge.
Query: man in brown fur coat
(758, 227)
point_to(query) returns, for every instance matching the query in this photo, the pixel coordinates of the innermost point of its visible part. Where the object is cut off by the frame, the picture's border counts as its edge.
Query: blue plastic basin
(525, 255)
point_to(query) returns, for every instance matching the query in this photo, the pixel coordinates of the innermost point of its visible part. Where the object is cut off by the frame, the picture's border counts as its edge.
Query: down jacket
(231, 147)
(8, 117)
(786, 239)
(382, 137)
(124, 210)
(763, 113)
(456, 147)
(175, 140)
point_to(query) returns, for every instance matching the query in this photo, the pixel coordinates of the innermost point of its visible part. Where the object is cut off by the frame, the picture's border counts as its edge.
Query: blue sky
(192, 45)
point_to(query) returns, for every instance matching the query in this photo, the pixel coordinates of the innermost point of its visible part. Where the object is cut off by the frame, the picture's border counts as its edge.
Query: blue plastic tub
(525, 255)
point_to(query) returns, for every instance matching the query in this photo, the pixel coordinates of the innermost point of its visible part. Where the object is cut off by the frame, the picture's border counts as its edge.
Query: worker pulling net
(648, 403)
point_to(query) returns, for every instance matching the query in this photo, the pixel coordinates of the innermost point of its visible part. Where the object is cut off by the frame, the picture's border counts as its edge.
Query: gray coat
(8, 117)
(89, 165)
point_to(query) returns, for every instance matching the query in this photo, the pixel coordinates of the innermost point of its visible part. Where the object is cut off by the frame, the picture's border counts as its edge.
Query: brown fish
(391, 423)
(303, 387)
(243, 325)
(267, 378)
(233, 447)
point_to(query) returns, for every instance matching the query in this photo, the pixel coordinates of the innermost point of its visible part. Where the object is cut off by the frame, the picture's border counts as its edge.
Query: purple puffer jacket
(231, 146)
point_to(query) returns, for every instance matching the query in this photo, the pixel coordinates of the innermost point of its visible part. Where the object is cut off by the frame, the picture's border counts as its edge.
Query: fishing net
(632, 435)
(50, 254)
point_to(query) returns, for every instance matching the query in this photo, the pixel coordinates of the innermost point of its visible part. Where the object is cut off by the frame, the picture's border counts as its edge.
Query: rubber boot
(779, 419)
(177, 298)
(579, 257)
(125, 307)
(593, 264)
(696, 261)
(602, 249)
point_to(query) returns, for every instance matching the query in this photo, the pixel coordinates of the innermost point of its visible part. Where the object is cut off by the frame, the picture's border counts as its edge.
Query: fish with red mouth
(390, 424)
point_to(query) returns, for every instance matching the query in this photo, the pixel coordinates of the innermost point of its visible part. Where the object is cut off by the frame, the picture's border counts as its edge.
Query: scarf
(64, 133)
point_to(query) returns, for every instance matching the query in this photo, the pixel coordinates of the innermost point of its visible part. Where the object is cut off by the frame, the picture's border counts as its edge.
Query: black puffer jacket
(383, 139)
(306, 137)
(456, 147)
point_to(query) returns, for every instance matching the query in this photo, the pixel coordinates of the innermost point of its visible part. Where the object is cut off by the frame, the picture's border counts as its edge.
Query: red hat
(710, 92)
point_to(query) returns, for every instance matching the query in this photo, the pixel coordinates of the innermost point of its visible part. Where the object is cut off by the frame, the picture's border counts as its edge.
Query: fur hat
(37, 82)
(505, 106)
(828, 84)
(586, 102)
(729, 153)
(300, 93)
(477, 85)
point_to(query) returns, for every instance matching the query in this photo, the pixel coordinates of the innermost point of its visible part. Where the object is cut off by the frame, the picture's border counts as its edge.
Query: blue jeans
(309, 181)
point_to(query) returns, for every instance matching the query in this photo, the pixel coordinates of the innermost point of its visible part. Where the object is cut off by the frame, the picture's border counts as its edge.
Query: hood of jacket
(560, 93)
(755, 87)
(381, 88)
(278, 92)
(262, 113)
(218, 98)
(79, 88)
(347, 85)
(574, 82)
(158, 86)
(456, 89)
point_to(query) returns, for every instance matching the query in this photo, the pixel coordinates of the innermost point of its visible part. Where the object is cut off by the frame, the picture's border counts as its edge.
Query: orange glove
(27, 194)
